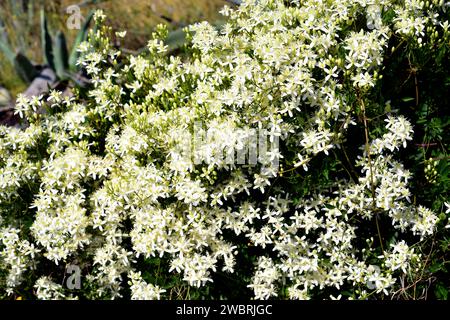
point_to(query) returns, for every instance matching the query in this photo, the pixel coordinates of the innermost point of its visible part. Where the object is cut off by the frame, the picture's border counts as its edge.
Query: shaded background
(19, 25)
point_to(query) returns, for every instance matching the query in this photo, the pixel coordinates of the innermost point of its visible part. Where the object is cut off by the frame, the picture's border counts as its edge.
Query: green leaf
(447, 81)
(24, 68)
(46, 42)
(61, 56)
(7, 51)
(176, 39)
(441, 292)
(436, 267)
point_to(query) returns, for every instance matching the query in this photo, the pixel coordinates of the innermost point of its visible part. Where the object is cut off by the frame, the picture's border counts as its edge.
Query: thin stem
(349, 163)
(372, 185)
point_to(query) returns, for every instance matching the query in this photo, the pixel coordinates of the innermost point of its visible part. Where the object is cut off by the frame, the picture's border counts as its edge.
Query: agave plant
(55, 53)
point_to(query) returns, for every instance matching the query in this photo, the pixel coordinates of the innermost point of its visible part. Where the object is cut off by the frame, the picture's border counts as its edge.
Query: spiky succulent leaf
(61, 56)
(24, 68)
(46, 41)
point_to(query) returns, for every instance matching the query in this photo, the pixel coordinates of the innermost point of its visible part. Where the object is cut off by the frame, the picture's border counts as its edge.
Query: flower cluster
(106, 184)
(143, 291)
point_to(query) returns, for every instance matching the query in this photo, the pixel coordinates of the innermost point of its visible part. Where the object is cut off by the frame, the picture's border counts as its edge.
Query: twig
(349, 164)
(424, 145)
(372, 185)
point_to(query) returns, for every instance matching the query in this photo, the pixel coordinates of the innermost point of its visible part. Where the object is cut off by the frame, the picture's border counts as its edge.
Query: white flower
(141, 290)
(191, 192)
(400, 257)
(46, 289)
(263, 283)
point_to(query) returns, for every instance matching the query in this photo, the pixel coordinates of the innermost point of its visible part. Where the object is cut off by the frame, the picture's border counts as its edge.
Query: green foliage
(61, 56)
(46, 42)
(81, 36)
(54, 51)
(24, 68)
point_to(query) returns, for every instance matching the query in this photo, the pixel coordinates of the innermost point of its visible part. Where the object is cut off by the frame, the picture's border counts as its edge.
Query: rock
(45, 81)
(42, 83)
(5, 98)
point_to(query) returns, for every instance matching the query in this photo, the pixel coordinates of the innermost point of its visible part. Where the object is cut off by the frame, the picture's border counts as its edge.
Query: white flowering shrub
(101, 179)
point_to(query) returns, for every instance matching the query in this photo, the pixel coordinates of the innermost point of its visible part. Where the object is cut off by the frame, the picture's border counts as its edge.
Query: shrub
(114, 179)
